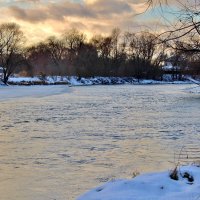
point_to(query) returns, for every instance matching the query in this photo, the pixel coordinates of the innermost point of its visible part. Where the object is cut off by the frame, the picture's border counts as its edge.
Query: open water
(57, 142)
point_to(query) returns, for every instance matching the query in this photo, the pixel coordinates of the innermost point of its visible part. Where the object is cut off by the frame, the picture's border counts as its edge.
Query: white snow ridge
(152, 186)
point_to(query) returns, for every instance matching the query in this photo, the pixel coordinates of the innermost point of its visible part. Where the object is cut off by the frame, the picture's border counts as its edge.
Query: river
(58, 142)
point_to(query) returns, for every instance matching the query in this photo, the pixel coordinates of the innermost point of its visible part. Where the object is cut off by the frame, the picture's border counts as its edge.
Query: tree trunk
(5, 79)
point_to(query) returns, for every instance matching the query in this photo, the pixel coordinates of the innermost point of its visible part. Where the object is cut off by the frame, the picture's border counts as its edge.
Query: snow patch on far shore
(152, 186)
(77, 81)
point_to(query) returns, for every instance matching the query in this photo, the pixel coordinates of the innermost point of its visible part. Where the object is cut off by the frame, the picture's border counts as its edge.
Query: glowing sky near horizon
(41, 18)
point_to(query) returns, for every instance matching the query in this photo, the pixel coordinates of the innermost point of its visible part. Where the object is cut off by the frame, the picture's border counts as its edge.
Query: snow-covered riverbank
(152, 186)
(75, 81)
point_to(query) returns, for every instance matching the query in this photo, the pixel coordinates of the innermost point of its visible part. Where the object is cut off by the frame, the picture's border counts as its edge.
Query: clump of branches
(175, 172)
(184, 33)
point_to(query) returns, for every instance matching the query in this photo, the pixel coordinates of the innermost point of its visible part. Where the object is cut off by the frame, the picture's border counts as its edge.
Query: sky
(40, 19)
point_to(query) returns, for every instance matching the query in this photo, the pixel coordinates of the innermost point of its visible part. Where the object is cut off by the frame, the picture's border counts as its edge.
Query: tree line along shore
(119, 54)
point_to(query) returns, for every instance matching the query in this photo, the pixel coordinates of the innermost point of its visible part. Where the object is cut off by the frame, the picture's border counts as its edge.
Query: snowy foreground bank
(75, 81)
(152, 186)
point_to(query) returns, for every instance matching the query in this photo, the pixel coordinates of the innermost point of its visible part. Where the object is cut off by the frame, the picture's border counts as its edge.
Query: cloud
(39, 18)
(59, 11)
(30, 15)
(50, 11)
(105, 7)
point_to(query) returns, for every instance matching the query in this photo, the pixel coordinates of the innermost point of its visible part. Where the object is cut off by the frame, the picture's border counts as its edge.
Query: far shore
(77, 81)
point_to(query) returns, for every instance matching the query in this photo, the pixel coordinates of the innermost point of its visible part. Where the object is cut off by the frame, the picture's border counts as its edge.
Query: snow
(193, 90)
(193, 80)
(170, 67)
(23, 79)
(76, 81)
(152, 186)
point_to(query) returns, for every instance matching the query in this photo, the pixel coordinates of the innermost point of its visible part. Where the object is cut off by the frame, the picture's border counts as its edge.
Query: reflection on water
(57, 147)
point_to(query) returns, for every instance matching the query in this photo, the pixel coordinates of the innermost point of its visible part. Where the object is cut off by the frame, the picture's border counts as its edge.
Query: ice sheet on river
(9, 92)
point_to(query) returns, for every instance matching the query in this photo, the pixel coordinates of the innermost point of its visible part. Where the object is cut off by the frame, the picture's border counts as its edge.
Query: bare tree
(39, 58)
(143, 53)
(58, 52)
(103, 45)
(115, 36)
(11, 54)
(143, 45)
(86, 62)
(184, 33)
(73, 40)
(56, 49)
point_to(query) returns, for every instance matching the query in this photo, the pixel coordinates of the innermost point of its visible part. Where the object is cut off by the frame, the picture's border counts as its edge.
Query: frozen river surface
(57, 142)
